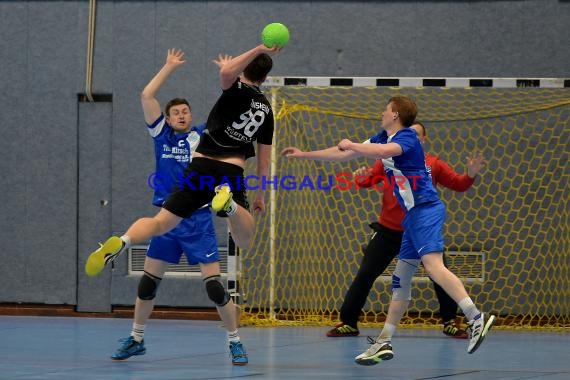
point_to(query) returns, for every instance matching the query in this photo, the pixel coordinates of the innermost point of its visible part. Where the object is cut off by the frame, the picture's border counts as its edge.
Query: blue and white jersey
(407, 172)
(173, 151)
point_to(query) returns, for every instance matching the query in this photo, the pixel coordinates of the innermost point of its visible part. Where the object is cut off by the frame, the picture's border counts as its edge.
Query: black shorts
(197, 185)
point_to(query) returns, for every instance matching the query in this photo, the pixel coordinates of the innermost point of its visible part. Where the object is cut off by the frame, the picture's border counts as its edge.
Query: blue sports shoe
(238, 354)
(130, 347)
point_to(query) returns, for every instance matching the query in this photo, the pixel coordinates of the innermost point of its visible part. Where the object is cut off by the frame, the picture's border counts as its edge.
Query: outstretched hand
(222, 60)
(475, 163)
(175, 57)
(291, 151)
(344, 145)
(363, 171)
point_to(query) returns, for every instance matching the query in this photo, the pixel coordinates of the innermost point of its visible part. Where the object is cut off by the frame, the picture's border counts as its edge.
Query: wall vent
(137, 254)
(468, 266)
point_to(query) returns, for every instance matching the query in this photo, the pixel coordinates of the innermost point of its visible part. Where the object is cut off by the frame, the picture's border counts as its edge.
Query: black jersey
(241, 116)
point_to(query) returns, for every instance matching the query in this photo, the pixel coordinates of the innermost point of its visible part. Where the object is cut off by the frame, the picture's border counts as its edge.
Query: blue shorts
(423, 230)
(194, 236)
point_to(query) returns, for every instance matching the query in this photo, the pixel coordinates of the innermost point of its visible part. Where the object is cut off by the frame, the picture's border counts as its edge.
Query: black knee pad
(216, 291)
(148, 286)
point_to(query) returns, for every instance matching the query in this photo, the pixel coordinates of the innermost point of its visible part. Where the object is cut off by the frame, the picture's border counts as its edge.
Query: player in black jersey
(241, 116)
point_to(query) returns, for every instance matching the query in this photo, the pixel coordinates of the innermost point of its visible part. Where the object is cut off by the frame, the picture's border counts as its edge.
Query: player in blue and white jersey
(175, 141)
(402, 154)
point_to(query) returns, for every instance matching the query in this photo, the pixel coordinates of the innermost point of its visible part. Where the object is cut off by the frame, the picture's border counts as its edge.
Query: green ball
(275, 34)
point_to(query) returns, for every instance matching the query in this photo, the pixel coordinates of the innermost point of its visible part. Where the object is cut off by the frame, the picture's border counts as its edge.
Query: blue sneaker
(129, 348)
(238, 354)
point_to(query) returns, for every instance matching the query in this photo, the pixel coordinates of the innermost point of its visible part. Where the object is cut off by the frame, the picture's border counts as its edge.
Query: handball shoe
(130, 347)
(106, 253)
(451, 329)
(223, 199)
(478, 329)
(342, 329)
(377, 352)
(238, 354)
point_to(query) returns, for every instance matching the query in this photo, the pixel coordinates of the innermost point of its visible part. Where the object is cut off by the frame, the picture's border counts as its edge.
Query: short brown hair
(406, 108)
(258, 69)
(175, 102)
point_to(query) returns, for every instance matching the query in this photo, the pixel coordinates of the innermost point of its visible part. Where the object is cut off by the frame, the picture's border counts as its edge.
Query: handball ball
(275, 34)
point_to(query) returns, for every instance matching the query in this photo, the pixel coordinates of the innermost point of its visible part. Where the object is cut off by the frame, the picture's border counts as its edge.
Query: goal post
(508, 237)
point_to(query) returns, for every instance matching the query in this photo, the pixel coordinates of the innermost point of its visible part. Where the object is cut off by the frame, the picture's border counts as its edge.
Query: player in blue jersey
(175, 141)
(401, 152)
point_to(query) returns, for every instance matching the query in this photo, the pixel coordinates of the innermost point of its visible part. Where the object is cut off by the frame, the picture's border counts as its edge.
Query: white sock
(469, 309)
(233, 336)
(138, 332)
(387, 333)
(126, 242)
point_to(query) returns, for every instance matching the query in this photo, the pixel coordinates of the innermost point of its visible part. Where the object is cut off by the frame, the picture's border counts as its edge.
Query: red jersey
(392, 213)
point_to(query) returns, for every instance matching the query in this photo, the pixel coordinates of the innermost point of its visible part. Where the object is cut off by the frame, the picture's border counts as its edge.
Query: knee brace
(148, 286)
(216, 291)
(402, 279)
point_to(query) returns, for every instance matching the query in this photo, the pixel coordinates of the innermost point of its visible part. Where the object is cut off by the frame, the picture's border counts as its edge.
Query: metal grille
(468, 266)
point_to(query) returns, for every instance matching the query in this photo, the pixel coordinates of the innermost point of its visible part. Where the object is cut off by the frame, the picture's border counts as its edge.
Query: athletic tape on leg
(402, 279)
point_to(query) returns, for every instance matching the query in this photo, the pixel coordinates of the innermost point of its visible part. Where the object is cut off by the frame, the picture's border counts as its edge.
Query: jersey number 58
(251, 122)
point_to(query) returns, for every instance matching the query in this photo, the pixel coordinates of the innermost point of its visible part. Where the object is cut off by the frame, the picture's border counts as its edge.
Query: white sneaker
(377, 352)
(478, 329)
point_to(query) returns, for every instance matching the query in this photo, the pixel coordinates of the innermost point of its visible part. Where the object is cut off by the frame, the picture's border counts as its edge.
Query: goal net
(507, 238)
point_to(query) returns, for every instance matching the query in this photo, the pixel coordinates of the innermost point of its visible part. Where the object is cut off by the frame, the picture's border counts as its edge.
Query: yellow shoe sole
(223, 195)
(96, 261)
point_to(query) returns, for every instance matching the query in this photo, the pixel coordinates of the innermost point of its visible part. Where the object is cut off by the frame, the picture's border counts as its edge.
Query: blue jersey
(407, 172)
(173, 151)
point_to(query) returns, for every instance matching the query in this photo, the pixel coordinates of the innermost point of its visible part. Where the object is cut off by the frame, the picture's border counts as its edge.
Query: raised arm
(377, 151)
(222, 60)
(151, 106)
(460, 182)
(231, 69)
(329, 154)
